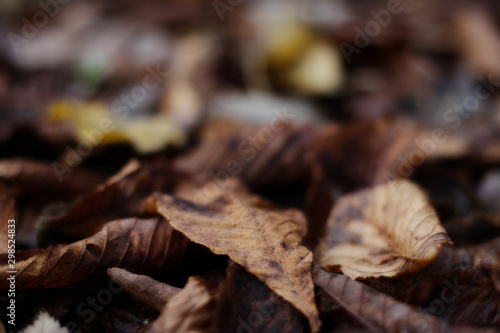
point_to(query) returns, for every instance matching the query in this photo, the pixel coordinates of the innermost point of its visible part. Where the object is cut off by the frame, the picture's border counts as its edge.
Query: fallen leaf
(147, 290)
(7, 212)
(385, 231)
(378, 311)
(25, 177)
(121, 196)
(260, 156)
(139, 245)
(265, 241)
(246, 304)
(191, 310)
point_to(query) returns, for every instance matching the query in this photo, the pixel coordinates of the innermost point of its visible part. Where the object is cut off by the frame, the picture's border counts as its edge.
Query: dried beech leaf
(139, 245)
(147, 290)
(264, 241)
(378, 311)
(121, 196)
(191, 310)
(385, 231)
(7, 212)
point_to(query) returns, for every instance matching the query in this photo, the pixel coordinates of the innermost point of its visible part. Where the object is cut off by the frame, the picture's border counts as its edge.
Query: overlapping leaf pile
(163, 247)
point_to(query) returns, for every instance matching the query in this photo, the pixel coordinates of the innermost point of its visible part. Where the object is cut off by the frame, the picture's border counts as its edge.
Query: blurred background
(322, 60)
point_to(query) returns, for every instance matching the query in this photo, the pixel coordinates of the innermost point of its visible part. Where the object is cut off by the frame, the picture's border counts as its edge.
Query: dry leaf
(123, 195)
(378, 311)
(191, 310)
(139, 245)
(246, 304)
(385, 231)
(147, 290)
(26, 177)
(264, 241)
(260, 156)
(7, 212)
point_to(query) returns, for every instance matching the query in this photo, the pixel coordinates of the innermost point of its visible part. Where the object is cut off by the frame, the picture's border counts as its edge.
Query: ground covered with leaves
(250, 167)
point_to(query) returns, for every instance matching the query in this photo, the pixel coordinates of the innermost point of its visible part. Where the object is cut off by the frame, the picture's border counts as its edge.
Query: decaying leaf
(385, 231)
(139, 245)
(264, 240)
(7, 212)
(147, 290)
(378, 311)
(191, 310)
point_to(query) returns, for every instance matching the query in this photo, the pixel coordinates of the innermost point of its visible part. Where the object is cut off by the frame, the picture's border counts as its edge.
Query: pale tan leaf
(147, 290)
(264, 240)
(385, 231)
(191, 310)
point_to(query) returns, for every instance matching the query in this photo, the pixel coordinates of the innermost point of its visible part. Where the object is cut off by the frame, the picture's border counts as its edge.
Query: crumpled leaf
(264, 240)
(7, 212)
(139, 245)
(153, 293)
(385, 231)
(191, 310)
(378, 311)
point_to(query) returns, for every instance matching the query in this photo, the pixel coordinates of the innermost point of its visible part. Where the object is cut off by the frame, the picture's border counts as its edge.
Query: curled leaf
(385, 231)
(191, 310)
(147, 290)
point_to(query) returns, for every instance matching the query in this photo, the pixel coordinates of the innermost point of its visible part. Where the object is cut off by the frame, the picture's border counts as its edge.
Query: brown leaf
(378, 311)
(265, 241)
(191, 310)
(26, 177)
(7, 212)
(385, 231)
(261, 156)
(121, 196)
(245, 304)
(147, 290)
(139, 245)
